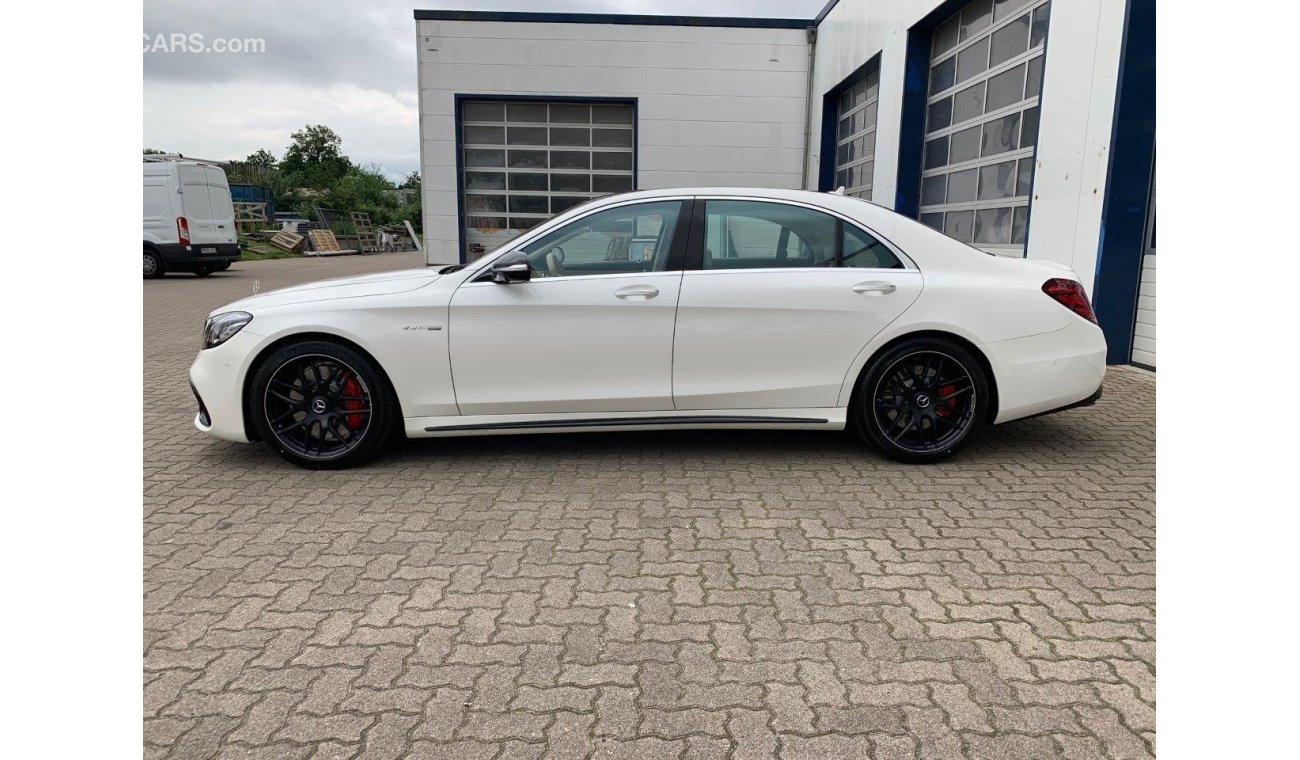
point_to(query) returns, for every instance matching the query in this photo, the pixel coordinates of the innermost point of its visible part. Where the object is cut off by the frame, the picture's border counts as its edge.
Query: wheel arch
(985, 365)
(246, 396)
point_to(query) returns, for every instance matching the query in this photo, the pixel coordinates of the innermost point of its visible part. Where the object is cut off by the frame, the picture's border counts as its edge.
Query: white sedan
(686, 308)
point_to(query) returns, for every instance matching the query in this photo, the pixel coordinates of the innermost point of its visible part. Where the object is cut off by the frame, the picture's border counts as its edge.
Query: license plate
(207, 250)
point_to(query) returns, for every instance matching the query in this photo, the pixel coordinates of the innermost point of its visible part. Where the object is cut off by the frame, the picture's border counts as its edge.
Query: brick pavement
(681, 595)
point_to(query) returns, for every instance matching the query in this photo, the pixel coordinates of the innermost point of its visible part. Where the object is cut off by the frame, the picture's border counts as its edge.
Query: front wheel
(322, 405)
(919, 401)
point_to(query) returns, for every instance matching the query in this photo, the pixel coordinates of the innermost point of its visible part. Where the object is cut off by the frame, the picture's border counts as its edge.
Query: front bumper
(217, 378)
(1049, 372)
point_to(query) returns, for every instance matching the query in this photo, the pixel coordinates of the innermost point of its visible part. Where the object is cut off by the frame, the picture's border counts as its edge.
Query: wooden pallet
(288, 241)
(324, 243)
(249, 216)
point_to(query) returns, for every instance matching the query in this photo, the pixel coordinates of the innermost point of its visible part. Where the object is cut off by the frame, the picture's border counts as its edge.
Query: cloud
(348, 65)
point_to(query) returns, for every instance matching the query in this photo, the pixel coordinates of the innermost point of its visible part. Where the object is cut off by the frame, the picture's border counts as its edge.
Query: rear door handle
(875, 287)
(637, 291)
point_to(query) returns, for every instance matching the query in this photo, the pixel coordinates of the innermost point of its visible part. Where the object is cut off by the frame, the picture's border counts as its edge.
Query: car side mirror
(512, 267)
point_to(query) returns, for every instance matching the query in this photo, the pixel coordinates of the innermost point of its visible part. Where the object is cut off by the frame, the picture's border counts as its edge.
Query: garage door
(526, 161)
(1144, 327)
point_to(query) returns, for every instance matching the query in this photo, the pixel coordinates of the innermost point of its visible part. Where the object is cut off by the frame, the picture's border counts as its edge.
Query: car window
(864, 251)
(760, 234)
(634, 238)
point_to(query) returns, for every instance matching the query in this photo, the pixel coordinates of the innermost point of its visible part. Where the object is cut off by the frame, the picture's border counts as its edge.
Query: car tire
(203, 270)
(920, 400)
(223, 266)
(153, 265)
(323, 405)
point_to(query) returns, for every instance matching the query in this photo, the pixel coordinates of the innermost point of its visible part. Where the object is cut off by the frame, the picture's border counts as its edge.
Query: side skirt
(796, 419)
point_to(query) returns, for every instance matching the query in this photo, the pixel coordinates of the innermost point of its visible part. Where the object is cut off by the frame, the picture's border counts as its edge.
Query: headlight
(219, 329)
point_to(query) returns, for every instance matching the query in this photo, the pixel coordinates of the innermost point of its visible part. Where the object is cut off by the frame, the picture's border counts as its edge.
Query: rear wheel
(920, 400)
(223, 266)
(322, 405)
(153, 264)
(203, 270)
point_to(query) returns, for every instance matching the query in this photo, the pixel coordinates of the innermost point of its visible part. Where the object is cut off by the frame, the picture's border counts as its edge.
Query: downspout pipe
(808, 103)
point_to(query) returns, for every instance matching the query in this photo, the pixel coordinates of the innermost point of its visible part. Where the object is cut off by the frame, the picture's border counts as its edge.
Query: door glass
(634, 238)
(759, 234)
(862, 250)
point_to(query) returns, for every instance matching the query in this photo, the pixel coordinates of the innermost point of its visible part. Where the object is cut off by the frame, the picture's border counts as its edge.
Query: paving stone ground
(678, 595)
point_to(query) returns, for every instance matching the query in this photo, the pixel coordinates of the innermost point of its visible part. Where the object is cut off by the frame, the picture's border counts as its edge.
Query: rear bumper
(177, 256)
(1049, 372)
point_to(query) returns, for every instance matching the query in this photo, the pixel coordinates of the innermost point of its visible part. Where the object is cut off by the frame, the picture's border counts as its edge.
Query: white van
(189, 221)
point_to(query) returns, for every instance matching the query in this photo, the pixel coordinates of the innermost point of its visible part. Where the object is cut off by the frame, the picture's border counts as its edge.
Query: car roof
(855, 207)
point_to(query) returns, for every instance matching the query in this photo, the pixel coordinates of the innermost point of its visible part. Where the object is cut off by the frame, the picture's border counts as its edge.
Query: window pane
(485, 135)
(485, 181)
(755, 234)
(570, 136)
(1038, 32)
(1010, 41)
(484, 112)
(957, 225)
(865, 171)
(863, 251)
(973, 60)
(961, 186)
(940, 114)
(1034, 78)
(933, 190)
(529, 204)
(993, 225)
(1000, 135)
(570, 183)
(526, 136)
(523, 224)
(607, 236)
(1006, 88)
(998, 181)
(934, 220)
(945, 37)
(1029, 135)
(611, 161)
(1019, 224)
(943, 75)
(528, 112)
(486, 223)
(936, 153)
(526, 159)
(610, 183)
(975, 17)
(527, 181)
(1004, 8)
(965, 145)
(865, 146)
(478, 203)
(1024, 176)
(485, 158)
(846, 127)
(611, 115)
(562, 113)
(569, 159)
(968, 103)
(611, 138)
(561, 203)
(866, 119)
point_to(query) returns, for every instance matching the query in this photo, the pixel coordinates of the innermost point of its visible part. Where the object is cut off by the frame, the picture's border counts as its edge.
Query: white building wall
(716, 106)
(1079, 80)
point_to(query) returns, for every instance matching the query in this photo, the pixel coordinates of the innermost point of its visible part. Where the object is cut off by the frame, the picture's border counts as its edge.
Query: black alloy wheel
(322, 405)
(920, 401)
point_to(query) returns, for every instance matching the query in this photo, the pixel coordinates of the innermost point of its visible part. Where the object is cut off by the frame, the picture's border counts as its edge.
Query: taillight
(1070, 294)
(183, 230)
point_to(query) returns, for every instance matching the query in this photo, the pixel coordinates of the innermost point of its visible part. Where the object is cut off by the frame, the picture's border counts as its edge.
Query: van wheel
(223, 266)
(153, 265)
(203, 270)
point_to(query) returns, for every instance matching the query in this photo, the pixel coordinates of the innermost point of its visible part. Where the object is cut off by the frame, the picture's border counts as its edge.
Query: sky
(348, 65)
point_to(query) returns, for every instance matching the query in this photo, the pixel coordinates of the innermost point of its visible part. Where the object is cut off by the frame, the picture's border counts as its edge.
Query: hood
(378, 284)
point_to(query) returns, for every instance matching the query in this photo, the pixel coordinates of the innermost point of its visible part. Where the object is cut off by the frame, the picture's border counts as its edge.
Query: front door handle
(875, 286)
(637, 291)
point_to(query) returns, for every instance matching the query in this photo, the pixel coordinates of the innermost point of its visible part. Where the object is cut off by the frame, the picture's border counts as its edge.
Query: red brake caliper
(946, 408)
(353, 388)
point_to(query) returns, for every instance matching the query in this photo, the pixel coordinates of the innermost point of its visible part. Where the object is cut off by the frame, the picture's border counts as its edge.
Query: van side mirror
(512, 267)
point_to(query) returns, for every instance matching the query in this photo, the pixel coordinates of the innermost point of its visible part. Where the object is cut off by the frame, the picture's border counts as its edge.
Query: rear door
(777, 301)
(196, 203)
(223, 210)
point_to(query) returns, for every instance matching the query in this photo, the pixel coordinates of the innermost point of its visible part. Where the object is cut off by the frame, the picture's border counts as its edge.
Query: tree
(154, 152)
(315, 159)
(412, 182)
(262, 157)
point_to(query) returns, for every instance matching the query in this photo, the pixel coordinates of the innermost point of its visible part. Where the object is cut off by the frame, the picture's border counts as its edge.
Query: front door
(777, 301)
(591, 331)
